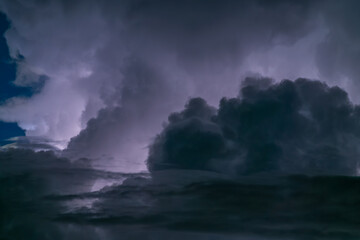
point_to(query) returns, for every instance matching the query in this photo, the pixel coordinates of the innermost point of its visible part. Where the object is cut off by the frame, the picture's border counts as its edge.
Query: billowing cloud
(118, 136)
(287, 127)
(82, 47)
(199, 48)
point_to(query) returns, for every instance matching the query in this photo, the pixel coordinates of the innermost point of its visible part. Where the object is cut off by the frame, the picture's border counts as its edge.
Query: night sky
(179, 119)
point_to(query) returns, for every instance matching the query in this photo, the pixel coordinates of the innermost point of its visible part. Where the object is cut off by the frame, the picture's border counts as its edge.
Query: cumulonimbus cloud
(200, 48)
(287, 127)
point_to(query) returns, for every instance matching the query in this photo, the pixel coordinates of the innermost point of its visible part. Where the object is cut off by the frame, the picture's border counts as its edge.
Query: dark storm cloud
(191, 42)
(293, 127)
(194, 33)
(210, 40)
(217, 33)
(200, 48)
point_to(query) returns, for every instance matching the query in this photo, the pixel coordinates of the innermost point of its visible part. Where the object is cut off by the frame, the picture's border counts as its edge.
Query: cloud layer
(46, 197)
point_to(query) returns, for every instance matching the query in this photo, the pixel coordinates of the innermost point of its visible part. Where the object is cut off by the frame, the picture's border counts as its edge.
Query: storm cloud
(124, 129)
(287, 127)
(200, 48)
(103, 78)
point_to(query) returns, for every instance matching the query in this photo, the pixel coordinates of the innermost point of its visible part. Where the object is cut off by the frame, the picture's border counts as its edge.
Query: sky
(81, 71)
(102, 102)
(8, 90)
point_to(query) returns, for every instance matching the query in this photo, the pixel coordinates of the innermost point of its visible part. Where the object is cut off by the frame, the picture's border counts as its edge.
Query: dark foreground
(91, 204)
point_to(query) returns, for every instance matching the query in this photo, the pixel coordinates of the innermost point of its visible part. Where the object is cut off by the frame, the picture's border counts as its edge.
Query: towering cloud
(125, 129)
(86, 49)
(288, 127)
